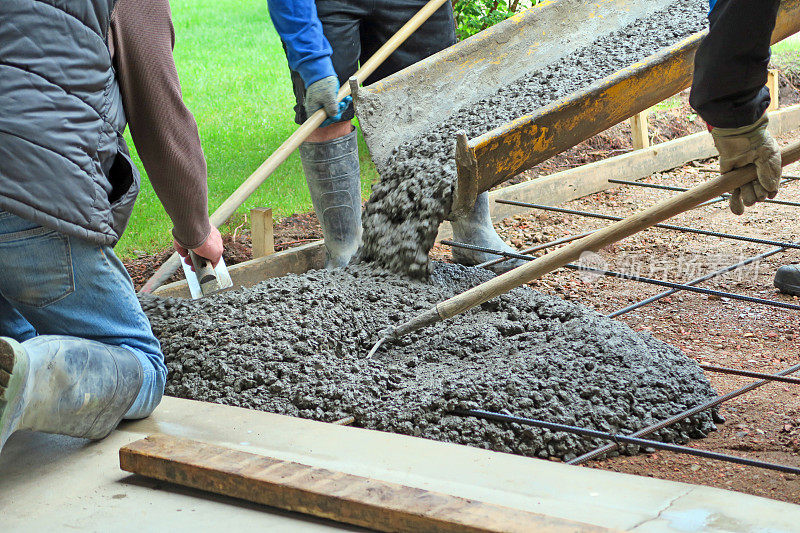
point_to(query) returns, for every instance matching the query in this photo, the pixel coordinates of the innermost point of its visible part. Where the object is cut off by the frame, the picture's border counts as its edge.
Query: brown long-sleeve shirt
(141, 39)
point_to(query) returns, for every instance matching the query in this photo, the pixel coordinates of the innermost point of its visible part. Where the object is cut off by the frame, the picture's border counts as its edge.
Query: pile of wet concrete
(414, 195)
(296, 345)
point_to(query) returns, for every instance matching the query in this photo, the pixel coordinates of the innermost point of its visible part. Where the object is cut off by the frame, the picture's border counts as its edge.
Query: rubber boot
(334, 180)
(787, 279)
(476, 228)
(65, 385)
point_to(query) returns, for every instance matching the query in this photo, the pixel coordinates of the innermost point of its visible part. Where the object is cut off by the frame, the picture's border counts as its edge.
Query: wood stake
(640, 134)
(774, 89)
(261, 232)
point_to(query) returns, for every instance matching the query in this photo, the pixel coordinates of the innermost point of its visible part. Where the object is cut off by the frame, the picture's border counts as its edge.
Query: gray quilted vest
(63, 161)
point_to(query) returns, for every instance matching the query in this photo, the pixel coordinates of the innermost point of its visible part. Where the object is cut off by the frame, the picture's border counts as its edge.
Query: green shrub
(473, 16)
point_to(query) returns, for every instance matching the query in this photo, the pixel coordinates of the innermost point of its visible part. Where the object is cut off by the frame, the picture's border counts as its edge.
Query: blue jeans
(53, 284)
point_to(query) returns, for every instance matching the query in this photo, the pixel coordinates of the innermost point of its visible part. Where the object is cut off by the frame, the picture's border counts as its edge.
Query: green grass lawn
(788, 48)
(236, 83)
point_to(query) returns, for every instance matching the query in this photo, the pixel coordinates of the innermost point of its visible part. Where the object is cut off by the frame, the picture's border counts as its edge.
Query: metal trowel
(206, 280)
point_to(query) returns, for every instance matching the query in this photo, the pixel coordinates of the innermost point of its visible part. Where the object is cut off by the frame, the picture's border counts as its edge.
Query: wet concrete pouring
(296, 345)
(407, 206)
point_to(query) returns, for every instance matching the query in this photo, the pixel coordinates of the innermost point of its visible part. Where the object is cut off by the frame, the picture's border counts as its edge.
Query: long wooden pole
(599, 239)
(291, 144)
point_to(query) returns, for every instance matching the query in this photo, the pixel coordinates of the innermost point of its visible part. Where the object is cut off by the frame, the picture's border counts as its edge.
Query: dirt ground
(763, 424)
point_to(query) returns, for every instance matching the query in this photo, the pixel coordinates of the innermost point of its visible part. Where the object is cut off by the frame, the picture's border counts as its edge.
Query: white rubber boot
(334, 180)
(65, 385)
(476, 228)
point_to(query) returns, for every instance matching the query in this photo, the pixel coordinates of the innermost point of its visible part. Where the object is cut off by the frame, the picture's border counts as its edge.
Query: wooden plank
(292, 261)
(261, 232)
(640, 133)
(324, 493)
(774, 89)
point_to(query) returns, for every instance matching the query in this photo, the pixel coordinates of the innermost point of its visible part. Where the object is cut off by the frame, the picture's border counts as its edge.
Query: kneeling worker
(325, 41)
(77, 353)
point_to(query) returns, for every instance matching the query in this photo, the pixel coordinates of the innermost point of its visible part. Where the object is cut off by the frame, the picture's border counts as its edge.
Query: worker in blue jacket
(729, 92)
(325, 41)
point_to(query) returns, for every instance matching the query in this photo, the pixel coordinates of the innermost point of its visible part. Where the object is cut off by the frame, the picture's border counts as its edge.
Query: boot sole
(787, 288)
(12, 357)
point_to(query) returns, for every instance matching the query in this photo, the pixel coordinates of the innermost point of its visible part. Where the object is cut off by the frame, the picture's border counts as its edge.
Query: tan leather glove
(739, 147)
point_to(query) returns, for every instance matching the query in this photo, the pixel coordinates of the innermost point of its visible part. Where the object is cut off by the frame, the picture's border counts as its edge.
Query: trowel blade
(223, 276)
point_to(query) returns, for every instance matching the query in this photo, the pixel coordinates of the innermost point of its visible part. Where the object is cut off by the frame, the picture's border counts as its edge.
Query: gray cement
(296, 345)
(414, 195)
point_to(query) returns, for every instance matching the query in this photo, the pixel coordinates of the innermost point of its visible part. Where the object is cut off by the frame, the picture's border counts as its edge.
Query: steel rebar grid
(748, 373)
(695, 281)
(617, 438)
(663, 226)
(686, 414)
(566, 240)
(683, 189)
(640, 279)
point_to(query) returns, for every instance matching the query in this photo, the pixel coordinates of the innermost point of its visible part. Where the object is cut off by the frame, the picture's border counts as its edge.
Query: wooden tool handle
(603, 237)
(206, 276)
(249, 186)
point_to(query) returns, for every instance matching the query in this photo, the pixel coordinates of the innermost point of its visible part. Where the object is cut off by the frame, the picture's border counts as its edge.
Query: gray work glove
(739, 147)
(322, 95)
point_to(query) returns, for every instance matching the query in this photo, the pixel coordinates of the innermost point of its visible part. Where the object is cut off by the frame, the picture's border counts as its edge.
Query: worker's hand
(322, 95)
(211, 249)
(739, 147)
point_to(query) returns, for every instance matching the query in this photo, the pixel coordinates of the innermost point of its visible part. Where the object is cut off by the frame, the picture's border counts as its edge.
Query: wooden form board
(292, 261)
(338, 496)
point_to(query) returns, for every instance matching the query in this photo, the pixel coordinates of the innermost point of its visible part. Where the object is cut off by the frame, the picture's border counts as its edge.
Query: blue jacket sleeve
(307, 49)
(731, 64)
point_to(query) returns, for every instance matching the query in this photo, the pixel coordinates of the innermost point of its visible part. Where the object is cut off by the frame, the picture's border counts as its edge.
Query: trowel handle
(206, 276)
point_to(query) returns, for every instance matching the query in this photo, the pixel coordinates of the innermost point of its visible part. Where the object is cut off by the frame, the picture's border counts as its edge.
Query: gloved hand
(739, 147)
(322, 95)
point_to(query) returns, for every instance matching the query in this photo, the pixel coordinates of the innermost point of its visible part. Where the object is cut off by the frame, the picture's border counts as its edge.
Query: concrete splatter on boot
(476, 228)
(787, 279)
(65, 385)
(334, 180)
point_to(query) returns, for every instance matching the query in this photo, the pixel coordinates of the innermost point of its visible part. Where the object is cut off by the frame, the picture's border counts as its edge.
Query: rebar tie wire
(641, 279)
(616, 438)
